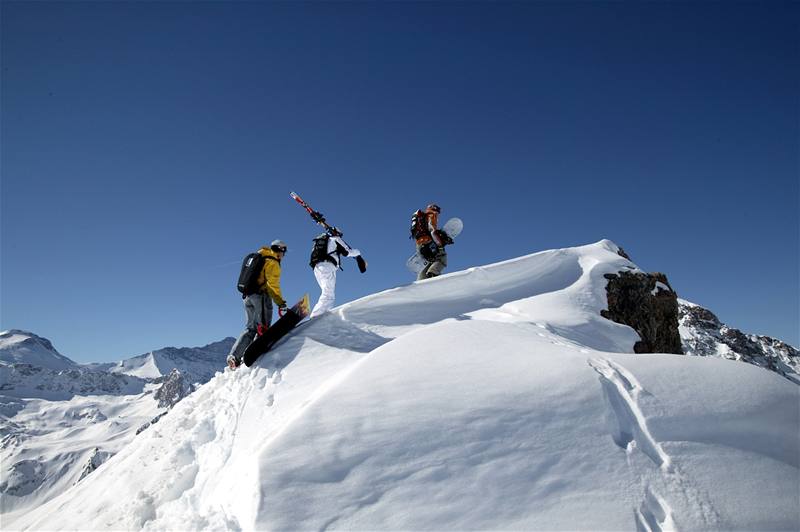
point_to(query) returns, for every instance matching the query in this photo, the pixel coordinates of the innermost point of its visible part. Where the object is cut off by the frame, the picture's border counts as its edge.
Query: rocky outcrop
(151, 422)
(95, 460)
(703, 334)
(174, 387)
(647, 303)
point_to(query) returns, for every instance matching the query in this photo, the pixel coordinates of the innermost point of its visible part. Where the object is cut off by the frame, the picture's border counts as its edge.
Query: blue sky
(148, 146)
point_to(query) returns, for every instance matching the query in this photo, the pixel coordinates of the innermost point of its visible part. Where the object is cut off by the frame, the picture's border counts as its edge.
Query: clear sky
(148, 146)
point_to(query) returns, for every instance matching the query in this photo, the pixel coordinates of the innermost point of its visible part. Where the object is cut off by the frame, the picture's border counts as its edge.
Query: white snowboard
(453, 228)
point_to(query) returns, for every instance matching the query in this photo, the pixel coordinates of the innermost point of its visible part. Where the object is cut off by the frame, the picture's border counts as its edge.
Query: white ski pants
(325, 272)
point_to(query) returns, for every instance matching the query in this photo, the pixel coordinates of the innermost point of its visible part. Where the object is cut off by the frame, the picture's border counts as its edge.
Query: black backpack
(252, 265)
(319, 252)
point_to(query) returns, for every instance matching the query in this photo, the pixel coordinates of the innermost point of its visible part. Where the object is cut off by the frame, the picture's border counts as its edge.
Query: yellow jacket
(269, 280)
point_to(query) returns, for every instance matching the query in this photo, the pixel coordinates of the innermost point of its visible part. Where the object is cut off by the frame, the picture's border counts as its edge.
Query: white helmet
(278, 245)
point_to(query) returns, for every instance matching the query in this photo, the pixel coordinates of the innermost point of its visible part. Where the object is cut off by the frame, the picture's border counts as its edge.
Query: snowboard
(276, 331)
(453, 228)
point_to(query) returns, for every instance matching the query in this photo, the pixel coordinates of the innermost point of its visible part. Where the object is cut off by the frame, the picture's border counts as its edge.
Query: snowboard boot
(233, 362)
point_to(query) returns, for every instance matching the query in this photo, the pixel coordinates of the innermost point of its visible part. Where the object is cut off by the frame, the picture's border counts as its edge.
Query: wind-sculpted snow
(467, 291)
(494, 398)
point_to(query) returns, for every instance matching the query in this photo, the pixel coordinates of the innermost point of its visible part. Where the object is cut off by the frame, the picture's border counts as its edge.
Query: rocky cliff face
(174, 387)
(95, 460)
(703, 334)
(647, 303)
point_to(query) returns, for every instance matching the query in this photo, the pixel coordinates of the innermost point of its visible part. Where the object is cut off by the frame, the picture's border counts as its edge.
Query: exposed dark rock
(151, 422)
(621, 253)
(174, 388)
(647, 303)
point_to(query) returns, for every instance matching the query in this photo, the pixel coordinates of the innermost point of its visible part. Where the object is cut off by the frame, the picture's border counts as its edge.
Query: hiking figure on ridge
(430, 241)
(325, 258)
(259, 283)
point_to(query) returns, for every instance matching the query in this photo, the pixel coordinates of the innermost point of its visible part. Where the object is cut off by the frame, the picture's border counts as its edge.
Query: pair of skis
(332, 231)
(316, 216)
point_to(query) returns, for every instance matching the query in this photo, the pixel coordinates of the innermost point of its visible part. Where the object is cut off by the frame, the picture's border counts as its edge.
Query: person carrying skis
(258, 298)
(430, 241)
(326, 260)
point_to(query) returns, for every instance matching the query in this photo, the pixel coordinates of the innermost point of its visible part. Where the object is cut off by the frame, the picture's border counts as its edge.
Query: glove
(282, 310)
(444, 237)
(262, 328)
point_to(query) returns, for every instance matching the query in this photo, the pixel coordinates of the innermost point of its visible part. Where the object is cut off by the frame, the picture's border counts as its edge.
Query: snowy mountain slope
(24, 347)
(50, 445)
(29, 381)
(494, 398)
(702, 334)
(60, 420)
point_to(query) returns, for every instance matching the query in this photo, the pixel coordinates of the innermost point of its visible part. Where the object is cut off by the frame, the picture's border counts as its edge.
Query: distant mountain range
(702, 334)
(31, 367)
(60, 420)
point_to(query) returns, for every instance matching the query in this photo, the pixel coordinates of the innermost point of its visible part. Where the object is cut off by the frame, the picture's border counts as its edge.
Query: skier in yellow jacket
(258, 305)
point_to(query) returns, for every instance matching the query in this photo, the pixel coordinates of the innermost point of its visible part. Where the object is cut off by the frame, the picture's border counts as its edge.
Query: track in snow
(628, 427)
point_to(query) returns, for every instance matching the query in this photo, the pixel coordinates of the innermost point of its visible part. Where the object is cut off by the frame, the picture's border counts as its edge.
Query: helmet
(278, 245)
(433, 207)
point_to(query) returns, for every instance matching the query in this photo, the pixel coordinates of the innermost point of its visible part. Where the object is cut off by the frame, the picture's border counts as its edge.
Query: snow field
(82, 424)
(494, 398)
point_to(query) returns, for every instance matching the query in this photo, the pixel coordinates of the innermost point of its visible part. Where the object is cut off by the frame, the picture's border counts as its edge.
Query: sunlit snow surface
(493, 398)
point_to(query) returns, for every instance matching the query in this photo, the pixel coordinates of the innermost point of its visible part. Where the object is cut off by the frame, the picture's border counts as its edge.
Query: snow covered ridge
(197, 364)
(702, 334)
(28, 381)
(493, 398)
